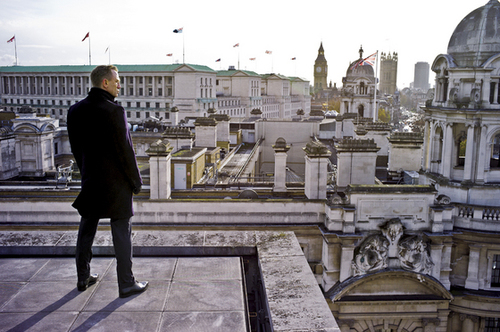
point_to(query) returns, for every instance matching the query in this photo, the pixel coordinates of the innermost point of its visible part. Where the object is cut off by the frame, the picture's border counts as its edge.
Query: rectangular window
(138, 115)
(495, 273)
(159, 92)
(138, 104)
(157, 105)
(147, 104)
(167, 115)
(147, 115)
(131, 92)
(150, 91)
(491, 324)
(140, 91)
(129, 104)
(128, 114)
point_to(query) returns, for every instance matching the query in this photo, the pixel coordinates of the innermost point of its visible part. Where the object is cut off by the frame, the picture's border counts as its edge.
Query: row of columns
(18, 84)
(154, 85)
(439, 158)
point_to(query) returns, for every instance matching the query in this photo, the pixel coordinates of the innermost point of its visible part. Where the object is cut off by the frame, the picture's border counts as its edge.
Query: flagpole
(375, 113)
(183, 54)
(90, 62)
(15, 48)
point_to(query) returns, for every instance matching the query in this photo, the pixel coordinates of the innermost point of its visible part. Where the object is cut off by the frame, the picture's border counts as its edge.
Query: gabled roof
(236, 73)
(267, 76)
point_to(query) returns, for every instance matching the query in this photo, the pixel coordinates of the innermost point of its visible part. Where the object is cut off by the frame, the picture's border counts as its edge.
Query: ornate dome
(364, 70)
(477, 36)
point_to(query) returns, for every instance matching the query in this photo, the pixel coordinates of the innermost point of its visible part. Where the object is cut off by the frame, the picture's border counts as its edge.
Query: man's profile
(101, 143)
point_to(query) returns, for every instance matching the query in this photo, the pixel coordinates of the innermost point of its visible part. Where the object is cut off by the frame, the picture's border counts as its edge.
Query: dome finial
(361, 52)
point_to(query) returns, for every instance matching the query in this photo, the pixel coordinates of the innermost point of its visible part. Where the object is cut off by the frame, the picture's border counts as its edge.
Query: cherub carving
(414, 254)
(370, 255)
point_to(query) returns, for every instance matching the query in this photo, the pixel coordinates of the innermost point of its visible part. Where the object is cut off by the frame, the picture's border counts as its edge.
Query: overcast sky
(50, 32)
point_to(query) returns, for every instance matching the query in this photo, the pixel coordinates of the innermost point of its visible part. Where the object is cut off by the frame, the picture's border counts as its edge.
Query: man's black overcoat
(101, 143)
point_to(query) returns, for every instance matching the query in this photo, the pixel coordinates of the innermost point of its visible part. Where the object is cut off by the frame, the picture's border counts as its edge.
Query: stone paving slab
(37, 322)
(146, 268)
(106, 298)
(211, 295)
(208, 268)
(295, 300)
(116, 321)
(233, 321)
(42, 296)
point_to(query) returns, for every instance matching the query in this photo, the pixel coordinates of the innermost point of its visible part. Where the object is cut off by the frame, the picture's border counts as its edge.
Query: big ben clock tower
(320, 70)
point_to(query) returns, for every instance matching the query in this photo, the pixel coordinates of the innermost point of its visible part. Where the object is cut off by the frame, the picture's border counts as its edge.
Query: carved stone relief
(392, 248)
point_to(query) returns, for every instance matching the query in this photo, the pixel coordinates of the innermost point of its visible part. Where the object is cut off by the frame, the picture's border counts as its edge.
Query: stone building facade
(167, 92)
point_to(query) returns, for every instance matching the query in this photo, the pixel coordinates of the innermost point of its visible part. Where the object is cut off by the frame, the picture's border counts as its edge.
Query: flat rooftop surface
(185, 294)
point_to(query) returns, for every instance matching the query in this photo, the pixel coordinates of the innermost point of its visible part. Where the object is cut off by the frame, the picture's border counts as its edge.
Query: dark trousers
(121, 229)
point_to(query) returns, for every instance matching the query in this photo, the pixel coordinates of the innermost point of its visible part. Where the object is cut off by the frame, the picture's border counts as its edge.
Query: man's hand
(137, 190)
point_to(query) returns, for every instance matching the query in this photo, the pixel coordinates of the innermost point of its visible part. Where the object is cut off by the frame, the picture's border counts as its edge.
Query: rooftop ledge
(294, 298)
(389, 188)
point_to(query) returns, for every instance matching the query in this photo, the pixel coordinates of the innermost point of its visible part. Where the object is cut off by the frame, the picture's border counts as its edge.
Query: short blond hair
(101, 72)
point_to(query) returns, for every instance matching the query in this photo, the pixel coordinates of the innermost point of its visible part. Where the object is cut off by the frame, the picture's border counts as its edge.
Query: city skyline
(127, 32)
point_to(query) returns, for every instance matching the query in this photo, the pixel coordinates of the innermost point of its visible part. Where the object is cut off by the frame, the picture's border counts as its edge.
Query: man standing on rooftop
(101, 143)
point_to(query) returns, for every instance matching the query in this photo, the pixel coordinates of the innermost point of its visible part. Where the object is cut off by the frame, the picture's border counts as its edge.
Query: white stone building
(154, 90)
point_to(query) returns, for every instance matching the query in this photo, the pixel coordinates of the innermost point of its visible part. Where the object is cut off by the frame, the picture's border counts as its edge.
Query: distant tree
(383, 115)
(334, 104)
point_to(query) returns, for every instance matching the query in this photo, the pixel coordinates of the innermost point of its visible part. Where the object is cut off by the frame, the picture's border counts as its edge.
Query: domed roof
(364, 70)
(477, 36)
(357, 68)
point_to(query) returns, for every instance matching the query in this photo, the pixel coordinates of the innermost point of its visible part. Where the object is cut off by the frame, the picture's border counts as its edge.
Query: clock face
(318, 69)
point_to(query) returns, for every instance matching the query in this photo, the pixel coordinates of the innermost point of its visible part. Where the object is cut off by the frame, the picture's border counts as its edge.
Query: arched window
(361, 110)
(495, 151)
(461, 146)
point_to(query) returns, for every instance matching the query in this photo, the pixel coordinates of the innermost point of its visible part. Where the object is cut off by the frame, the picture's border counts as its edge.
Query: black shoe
(83, 285)
(136, 288)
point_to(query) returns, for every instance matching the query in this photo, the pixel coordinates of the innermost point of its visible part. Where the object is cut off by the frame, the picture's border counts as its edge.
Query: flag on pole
(251, 59)
(178, 30)
(294, 58)
(269, 52)
(170, 54)
(218, 60)
(86, 36)
(12, 39)
(107, 48)
(236, 45)
(369, 60)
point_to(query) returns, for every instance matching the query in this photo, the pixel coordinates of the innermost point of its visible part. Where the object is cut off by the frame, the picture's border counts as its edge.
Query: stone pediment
(389, 285)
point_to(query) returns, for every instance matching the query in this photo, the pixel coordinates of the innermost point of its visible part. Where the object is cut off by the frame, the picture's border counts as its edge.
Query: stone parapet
(315, 149)
(406, 137)
(159, 148)
(357, 145)
(204, 121)
(376, 126)
(220, 117)
(177, 132)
